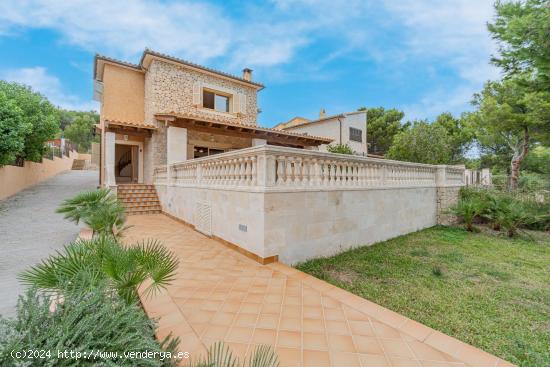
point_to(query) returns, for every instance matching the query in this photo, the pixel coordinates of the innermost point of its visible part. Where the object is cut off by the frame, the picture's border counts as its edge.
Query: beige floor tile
(345, 359)
(373, 360)
(291, 339)
(341, 343)
(289, 357)
(368, 345)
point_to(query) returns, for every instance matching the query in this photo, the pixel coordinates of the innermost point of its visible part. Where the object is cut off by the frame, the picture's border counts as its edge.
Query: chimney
(322, 114)
(247, 74)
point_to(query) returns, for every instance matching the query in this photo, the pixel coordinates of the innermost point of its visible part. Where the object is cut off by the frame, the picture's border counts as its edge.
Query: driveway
(30, 229)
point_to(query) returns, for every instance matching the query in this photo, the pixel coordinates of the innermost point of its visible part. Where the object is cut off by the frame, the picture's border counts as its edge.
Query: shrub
(516, 215)
(124, 268)
(99, 209)
(340, 148)
(467, 210)
(88, 320)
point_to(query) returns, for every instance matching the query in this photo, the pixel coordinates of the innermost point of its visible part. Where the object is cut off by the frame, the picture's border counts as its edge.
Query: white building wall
(337, 128)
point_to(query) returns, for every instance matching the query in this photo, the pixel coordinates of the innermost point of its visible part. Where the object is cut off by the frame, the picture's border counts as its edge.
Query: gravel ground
(30, 229)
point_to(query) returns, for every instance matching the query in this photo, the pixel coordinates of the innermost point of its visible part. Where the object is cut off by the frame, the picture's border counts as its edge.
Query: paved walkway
(220, 294)
(30, 229)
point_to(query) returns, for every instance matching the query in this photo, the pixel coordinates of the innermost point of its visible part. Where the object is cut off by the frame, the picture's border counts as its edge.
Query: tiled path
(220, 294)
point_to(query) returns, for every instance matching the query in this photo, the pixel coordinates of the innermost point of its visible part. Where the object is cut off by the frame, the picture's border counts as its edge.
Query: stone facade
(169, 88)
(446, 198)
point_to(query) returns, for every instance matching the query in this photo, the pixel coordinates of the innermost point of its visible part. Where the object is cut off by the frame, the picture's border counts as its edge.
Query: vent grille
(203, 218)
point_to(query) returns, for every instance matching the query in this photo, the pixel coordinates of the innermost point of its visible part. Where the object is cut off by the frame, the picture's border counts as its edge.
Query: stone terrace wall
(300, 204)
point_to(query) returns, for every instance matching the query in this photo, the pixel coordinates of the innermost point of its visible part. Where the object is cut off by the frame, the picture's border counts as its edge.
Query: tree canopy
(510, 117)
(522, 32)
(80, 131)
(382, 126)
(40, 119)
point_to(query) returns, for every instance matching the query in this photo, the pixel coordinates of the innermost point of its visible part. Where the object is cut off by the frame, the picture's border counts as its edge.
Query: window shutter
(236, 103)
(196, 94)
(242, 108)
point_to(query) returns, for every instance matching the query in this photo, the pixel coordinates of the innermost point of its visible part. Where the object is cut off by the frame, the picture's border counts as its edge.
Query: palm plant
(125, 268)
(495, 209)
(515, 215)
(99, 209)
(220, 356)
(468, 209)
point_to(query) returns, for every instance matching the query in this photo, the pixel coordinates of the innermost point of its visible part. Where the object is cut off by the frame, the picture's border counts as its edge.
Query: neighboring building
(164, 110)
(346, 128)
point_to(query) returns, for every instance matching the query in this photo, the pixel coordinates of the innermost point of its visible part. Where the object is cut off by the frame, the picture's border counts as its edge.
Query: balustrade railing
(272, 167)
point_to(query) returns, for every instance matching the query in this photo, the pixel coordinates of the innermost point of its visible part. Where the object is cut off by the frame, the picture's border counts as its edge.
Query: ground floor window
(205, 151)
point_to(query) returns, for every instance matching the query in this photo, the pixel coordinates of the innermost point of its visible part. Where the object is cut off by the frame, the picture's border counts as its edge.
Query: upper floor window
(355, 134)
(215, 101)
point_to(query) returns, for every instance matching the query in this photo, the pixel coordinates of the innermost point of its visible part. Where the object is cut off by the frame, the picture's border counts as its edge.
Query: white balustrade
(301, 169)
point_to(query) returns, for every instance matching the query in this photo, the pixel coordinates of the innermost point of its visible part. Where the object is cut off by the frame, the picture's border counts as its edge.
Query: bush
(104, 260)
(220, 356)
(88, 320)
(99, 209)
(467, 209)
(340, 148)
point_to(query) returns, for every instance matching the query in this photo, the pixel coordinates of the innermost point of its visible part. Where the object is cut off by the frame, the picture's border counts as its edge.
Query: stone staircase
(139, 199)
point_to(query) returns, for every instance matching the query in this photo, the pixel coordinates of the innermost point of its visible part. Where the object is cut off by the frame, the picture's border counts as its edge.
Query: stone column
(176, 145)
(110, 179)
(446, 195)
(176, 148)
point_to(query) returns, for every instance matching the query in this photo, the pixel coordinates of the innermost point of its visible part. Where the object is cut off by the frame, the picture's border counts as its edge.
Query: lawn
(482, 288)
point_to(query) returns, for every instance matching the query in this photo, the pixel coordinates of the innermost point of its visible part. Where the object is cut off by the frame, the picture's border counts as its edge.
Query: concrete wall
(14, 179)
(229, 209)
(337, 128)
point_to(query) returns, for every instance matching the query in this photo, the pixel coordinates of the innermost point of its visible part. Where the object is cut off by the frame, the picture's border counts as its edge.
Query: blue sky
(422, 56)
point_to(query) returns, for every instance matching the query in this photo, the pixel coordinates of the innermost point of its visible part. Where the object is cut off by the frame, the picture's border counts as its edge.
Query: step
(141, 204)
(137, 195)
(134, 199)
(137, 191)
(135, 186)
(144, 211)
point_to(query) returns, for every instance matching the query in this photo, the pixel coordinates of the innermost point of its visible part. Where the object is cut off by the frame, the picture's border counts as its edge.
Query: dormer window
(215, 101)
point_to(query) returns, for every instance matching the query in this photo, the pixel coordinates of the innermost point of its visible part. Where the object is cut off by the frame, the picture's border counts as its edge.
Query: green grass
(484, 289)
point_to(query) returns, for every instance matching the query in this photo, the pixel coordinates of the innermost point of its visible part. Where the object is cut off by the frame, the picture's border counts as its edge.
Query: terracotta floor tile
(341, 343)
(268, 321)
(290, 323)
(253, 308)
(361, 328)
(264, 336)
(315, 341)
(374, 360)
(271, 308)
(239, 350)
(334, 314)
(292, 339)
(404, 362)
(368, 345)
(337, 327)
(223, 318)
(385, 331)
(215, 332)
(240, 334)
(315, 358)
(312, 312)
(219, 294)
(396, 348)
(345, 359)
(313, 326)
(289, 357)
(292, 311)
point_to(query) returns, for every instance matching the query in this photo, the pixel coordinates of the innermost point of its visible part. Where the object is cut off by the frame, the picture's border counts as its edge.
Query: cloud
(276, 37)
(48, 85)
(453, 34)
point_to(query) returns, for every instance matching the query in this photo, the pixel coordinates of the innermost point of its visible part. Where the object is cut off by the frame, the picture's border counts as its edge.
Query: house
(182, 139)
(165, 110)
(346, 128)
